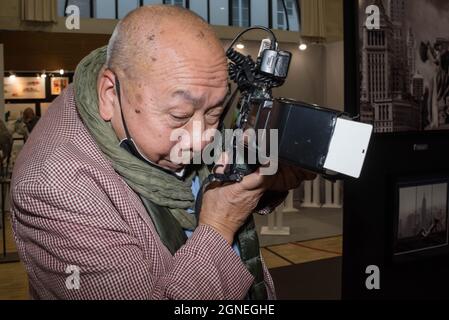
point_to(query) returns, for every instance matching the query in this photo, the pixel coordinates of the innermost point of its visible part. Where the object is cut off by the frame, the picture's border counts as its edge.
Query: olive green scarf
(165, 197)
(141, 177)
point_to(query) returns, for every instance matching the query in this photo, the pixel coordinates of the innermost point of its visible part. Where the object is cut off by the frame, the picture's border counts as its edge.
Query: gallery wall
(334, 75)
(315, 74)
(47, 50)
(390, 249)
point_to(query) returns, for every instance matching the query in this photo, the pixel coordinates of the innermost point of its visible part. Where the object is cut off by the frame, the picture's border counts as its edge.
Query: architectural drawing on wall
(422, 217)
(404, 82)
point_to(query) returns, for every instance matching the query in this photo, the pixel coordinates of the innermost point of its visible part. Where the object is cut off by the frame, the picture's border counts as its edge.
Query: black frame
(369, 222)
(230, 18)
(425, 252)
(352, 58)
(48, 96)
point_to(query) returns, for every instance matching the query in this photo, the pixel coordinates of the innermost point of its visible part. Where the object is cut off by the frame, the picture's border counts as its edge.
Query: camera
(315, 138)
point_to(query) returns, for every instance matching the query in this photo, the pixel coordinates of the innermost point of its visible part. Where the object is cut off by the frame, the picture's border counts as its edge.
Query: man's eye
(214, 115)
(180, 118)
(213, 118)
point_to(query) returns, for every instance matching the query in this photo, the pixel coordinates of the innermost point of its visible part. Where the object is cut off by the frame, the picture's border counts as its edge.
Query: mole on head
(200, 35)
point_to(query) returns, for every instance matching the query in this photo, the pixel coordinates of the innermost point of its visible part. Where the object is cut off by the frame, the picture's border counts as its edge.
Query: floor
(305, 224)
(302, 252)
(13, 279)
(316, 280)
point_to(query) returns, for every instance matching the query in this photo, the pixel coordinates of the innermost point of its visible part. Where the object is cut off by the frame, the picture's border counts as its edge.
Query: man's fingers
(221, 163)
(255, 182)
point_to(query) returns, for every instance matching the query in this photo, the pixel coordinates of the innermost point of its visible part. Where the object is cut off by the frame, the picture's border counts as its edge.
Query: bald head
(152, 34)
(173, 73)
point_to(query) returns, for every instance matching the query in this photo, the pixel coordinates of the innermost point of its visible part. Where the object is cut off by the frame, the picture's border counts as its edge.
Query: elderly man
(101, 212)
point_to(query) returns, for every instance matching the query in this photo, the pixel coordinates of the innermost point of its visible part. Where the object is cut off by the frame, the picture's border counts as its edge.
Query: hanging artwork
(24, 88)
(58, 84)
(403, 64)
(422, 216)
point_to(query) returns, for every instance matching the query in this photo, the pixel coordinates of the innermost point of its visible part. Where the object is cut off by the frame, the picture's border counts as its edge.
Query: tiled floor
(302, 252)
(14, 286)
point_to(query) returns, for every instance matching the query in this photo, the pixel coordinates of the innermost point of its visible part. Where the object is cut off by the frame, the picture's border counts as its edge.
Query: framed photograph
(58, 84)
(403, 64)
(15, 110)
(18, 88)
(421, 216)
(44, 107)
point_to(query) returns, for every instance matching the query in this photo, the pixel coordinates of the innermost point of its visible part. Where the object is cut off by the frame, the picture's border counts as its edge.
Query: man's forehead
(197, 101)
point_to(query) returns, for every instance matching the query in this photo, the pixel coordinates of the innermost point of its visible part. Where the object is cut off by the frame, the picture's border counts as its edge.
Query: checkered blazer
(72, 213)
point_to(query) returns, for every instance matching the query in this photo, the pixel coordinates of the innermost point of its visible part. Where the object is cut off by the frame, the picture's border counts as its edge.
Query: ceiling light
(303, 47)
(61, 72)
(302, 44)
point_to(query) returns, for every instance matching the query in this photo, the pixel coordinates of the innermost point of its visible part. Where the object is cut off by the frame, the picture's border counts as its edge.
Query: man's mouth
(174, 166)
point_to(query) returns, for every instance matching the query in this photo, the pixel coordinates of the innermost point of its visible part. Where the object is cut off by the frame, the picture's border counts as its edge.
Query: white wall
(316, 75)
(334, 75)
(306, 75)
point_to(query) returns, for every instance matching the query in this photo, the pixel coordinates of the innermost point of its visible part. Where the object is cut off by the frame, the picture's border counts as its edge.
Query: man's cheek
(179, 147)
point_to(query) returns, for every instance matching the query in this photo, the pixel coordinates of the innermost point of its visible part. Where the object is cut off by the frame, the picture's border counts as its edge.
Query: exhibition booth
(378, 61)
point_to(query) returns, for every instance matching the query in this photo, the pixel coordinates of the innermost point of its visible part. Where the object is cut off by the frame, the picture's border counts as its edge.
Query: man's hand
(226, 208)
(288, 178)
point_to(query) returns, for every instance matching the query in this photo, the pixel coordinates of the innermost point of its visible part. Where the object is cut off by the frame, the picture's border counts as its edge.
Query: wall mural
(404, 82)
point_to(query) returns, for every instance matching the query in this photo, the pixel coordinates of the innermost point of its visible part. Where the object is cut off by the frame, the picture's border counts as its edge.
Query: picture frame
(401, 71)
(24, 88)
(58, 84)
(44, 107)
(15, 110)
(370, 211)
(421, 217)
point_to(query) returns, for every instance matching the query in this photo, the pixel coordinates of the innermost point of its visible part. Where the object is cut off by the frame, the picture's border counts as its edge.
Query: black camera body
(318, 139)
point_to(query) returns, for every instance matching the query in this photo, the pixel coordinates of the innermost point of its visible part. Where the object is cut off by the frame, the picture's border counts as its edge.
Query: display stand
(288, 204)
(312, 194)
(276, 219)
(332, 195)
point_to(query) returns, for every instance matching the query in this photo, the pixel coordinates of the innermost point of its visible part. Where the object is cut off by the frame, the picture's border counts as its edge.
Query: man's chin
(172, 166)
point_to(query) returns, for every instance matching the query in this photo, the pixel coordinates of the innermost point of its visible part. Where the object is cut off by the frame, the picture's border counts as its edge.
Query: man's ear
(106, 94)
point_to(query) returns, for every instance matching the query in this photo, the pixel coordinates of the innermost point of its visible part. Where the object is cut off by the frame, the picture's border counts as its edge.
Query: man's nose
(195, 140)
